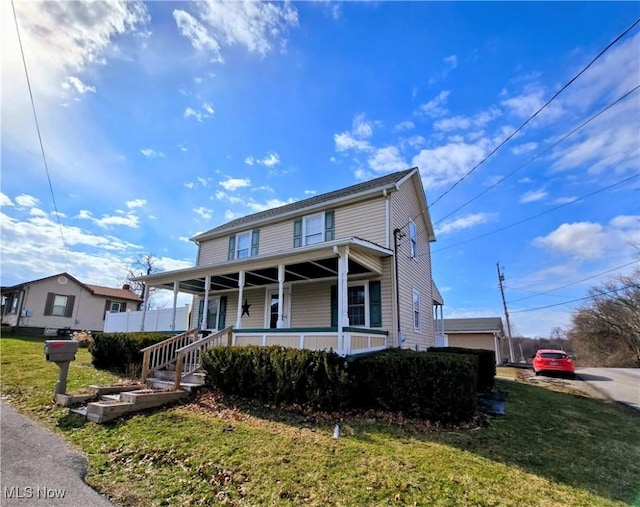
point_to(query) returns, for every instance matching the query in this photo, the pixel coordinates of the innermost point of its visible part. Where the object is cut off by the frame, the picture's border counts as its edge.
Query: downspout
(396, 233)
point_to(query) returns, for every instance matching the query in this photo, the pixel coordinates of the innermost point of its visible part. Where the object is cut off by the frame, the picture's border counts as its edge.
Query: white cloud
(465, 222)
(78, 85)
(208, 108)
(270, 160)
(5, 200)
(108, 221)
(204, 213)
(310, 192)
(230, 215)
(190, 184)
(136, 203)
(151, 153)
(404, 125)
(447, 163)
(387, 159)
(435, 108)
(346, 142)
(526, 179)
(269, 204)
(232, 184)
(523, 106)
(203, 181)
(362, 129)
(197, 34)
(524, 148)
(249, 160)
(26, 200)
(480, 120)
(533, 196)
(256, 26)
(588, 241)
(564, 200)
(451, 61)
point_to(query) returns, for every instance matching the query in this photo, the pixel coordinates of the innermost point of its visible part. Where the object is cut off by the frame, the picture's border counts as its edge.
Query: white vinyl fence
(155, 320)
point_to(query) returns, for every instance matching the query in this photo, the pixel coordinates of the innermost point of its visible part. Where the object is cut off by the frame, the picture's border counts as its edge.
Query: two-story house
(348, 270)
(61, 302)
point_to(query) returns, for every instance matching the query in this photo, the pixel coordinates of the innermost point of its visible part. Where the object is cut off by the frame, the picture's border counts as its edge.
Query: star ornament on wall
(245, 308)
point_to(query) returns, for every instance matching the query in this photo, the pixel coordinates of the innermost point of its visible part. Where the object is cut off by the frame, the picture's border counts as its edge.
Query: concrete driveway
(619, 384)
(39, 468)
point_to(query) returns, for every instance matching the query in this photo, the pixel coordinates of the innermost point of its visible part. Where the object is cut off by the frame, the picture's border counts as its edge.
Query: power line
(632, 286)
(572, 283)
(540, 214)
(44, 158)
(535, 157)
(555, 95)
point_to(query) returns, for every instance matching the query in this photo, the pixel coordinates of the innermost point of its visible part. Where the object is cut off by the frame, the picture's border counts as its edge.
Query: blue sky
(161, 120)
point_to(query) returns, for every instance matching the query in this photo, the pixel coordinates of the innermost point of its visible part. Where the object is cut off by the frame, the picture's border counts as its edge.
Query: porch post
(280, 322)
(176, 285)
(343, 308)
(205, 304)
(240, 294)
(145, 296)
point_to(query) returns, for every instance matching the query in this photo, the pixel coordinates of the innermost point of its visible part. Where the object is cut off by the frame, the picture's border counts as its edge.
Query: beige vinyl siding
(276, 237)
(311, 304)
(213, 251)
(386, 291)
(255, 297)
(414, 273)
(365, 220)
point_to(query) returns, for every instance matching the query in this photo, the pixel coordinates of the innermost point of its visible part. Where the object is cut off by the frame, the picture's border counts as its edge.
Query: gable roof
(476, 325)
(96, 290)
(367, 187)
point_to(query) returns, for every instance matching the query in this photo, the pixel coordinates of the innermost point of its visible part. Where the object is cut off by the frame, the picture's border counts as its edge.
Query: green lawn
(551, 449)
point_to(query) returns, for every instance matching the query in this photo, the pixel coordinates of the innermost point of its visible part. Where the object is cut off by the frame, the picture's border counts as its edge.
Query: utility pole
(506, 312)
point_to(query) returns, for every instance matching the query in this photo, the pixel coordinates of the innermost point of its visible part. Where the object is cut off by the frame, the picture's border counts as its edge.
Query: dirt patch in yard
(561, 384)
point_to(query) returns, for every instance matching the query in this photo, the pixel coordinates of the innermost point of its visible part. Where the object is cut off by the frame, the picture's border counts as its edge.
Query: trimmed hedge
(119, 350)
(279, 375)
(486, 363)
(437, 387)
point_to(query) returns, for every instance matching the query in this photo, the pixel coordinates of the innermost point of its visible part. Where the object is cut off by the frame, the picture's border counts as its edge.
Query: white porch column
(145, 297)
(176, 285)
(343, 307)
(240, 294)
(205, 304)
(280, 323)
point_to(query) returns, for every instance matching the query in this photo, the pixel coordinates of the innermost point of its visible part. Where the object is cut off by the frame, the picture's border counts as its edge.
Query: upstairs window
(243, 245)
(413, 239)
(313, 229)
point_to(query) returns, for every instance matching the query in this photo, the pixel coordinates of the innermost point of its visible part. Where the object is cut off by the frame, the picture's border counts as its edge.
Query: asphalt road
(39, 468)
(619, 384)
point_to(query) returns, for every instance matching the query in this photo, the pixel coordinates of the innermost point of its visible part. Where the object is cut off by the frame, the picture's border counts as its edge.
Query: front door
(272, 308)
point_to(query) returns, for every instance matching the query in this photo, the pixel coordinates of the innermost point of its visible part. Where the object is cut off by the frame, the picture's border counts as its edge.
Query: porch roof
(304, 263)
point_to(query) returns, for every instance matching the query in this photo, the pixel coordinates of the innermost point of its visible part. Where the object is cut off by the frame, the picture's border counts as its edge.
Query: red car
(552, 360)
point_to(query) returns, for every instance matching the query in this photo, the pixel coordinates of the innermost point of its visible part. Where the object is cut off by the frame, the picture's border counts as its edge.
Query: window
(416, 310)
(356, 305)
(14, 303)
(117, 306)
(59, 305)
(413, 238)
(244, 245)
(313, 229)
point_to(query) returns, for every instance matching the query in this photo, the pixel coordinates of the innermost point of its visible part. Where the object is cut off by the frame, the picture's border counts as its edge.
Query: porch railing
(164, 353)
(188, 357)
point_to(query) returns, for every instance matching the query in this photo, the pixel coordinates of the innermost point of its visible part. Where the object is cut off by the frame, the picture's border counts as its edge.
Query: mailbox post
(61, 352)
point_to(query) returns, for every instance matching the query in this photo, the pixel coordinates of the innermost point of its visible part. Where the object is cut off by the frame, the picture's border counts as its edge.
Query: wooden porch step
(113, 406)
(158, 383)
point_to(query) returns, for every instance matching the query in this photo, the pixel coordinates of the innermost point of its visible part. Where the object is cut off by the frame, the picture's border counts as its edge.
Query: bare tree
(144, 264)
(606, 331)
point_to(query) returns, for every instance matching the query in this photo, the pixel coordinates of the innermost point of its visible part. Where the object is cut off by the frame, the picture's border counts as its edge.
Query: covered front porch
(333, 295)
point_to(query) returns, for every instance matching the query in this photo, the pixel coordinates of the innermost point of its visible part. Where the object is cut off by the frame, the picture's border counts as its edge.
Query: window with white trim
(357, 305)
(413, 238)
(60, 305)
(243, 245)
(117, 306)
(313, 229)
(416, 310)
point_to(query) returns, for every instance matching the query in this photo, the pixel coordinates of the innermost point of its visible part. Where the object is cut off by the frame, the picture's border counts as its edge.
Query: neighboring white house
(61, 302)
(477, 333)
(348, 270)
